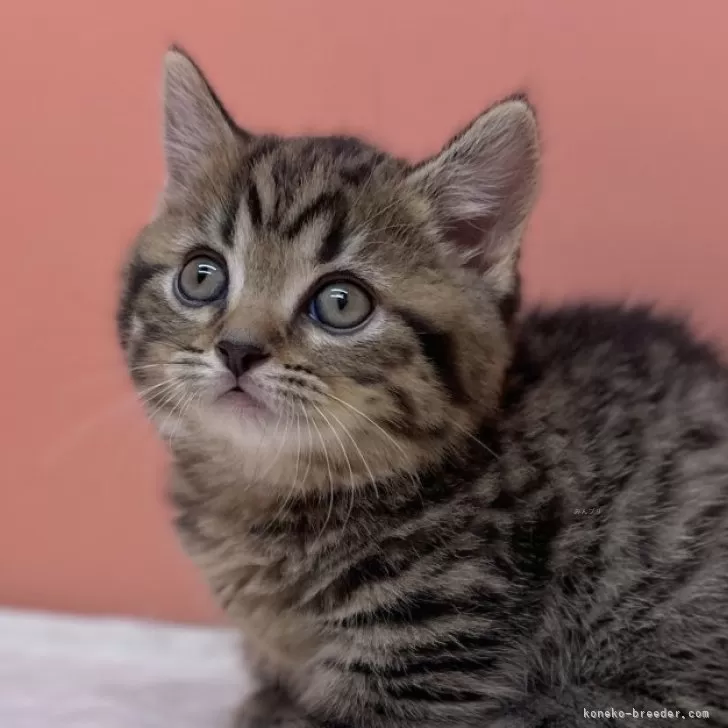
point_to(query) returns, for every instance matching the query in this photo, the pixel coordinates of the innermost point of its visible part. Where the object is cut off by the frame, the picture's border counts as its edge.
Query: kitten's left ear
(483, 185)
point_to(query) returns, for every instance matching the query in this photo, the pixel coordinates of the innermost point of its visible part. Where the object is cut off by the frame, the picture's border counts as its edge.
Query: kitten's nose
(239, 356)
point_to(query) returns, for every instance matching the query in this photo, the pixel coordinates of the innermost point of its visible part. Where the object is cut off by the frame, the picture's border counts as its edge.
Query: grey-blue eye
(203, 279)
(341, 305)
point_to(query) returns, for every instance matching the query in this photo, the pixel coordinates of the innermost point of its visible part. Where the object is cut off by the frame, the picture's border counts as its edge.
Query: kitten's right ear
(196, 124)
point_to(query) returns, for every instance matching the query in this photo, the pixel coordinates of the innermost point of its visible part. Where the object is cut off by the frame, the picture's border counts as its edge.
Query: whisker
(310, 444)
(372, 479)
(331, 479)
(110, 373)
(298, 448)
(475, 439)
(414, 478)
(184, 365)
(182, 413)
(72, 439)
(292, 486)
(262, 435)
(368, 419)
(338, 439)
(142, 393)
(167, 397)
(274, 460)
(175, 407)
(181, 407)
(156, 365)
(87, 381)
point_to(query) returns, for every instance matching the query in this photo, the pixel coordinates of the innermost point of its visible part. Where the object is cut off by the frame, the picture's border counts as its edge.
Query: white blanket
(66, 672)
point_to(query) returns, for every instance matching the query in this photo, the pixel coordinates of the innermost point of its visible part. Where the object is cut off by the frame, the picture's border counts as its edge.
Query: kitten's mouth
(240, 400)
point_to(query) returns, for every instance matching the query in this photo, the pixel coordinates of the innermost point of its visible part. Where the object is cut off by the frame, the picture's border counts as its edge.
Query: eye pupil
(202, 280)
(204, 271)
(341, 298)
(341, 306)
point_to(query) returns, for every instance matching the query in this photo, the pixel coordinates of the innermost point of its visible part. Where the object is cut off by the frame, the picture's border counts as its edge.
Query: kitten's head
(314, 311)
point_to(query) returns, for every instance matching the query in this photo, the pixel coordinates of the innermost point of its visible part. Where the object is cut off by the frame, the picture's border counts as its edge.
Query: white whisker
(331, 478)
(177, 406)
(298, 448)
(475, 439)
(338, 439)
(274, 459)
(187, 403)
(71, 439)
(368, 419)
(261, 438)
(372, 479)
(167, 395)
(310, 445)
(292, 486)
(414, 478)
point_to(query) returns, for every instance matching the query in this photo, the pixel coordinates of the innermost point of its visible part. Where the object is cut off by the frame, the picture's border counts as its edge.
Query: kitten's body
(454, 518)
(576, 557)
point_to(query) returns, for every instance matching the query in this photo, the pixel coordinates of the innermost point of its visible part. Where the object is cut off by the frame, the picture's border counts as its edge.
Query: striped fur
(457, 516)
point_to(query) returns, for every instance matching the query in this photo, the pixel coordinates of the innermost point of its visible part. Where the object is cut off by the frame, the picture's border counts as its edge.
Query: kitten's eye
(202, 280)
(341, 305)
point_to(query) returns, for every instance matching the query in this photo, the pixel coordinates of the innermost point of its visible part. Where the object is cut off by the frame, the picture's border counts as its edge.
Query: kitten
(420, 508)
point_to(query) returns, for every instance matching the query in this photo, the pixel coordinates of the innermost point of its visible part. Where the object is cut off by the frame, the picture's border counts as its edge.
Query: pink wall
(634, 105)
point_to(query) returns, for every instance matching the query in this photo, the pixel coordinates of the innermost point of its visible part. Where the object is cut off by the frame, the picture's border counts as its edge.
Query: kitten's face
(299, 312)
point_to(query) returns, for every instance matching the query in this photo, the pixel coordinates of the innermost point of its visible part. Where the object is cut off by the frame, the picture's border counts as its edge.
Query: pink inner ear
(483, 184)
(470, 236)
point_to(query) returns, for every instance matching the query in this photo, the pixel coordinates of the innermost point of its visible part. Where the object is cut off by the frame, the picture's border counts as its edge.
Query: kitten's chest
(266, 585)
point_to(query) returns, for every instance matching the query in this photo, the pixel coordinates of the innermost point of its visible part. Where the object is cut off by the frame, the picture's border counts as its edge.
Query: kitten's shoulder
(610, 343)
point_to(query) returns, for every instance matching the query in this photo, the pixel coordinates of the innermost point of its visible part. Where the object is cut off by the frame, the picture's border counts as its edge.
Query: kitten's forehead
(299, 203)
(298, 160)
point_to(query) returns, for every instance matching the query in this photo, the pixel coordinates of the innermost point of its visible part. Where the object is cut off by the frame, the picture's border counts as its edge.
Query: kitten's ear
(196, 124)
(483, 186)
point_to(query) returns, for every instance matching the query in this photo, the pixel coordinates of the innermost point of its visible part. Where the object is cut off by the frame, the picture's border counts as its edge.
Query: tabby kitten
(421, 509)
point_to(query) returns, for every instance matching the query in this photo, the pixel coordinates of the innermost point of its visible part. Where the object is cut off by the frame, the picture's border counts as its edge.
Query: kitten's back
(623, 415)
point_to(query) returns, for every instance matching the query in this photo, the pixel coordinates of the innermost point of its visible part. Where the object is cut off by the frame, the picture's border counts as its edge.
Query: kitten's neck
(262, 486)
(325, 504)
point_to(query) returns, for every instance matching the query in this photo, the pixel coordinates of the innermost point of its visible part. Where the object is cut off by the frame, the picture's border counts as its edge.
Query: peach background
(634, 105)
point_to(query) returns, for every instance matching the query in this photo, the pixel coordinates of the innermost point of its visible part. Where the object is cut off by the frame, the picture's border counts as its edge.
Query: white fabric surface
(68, 672)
